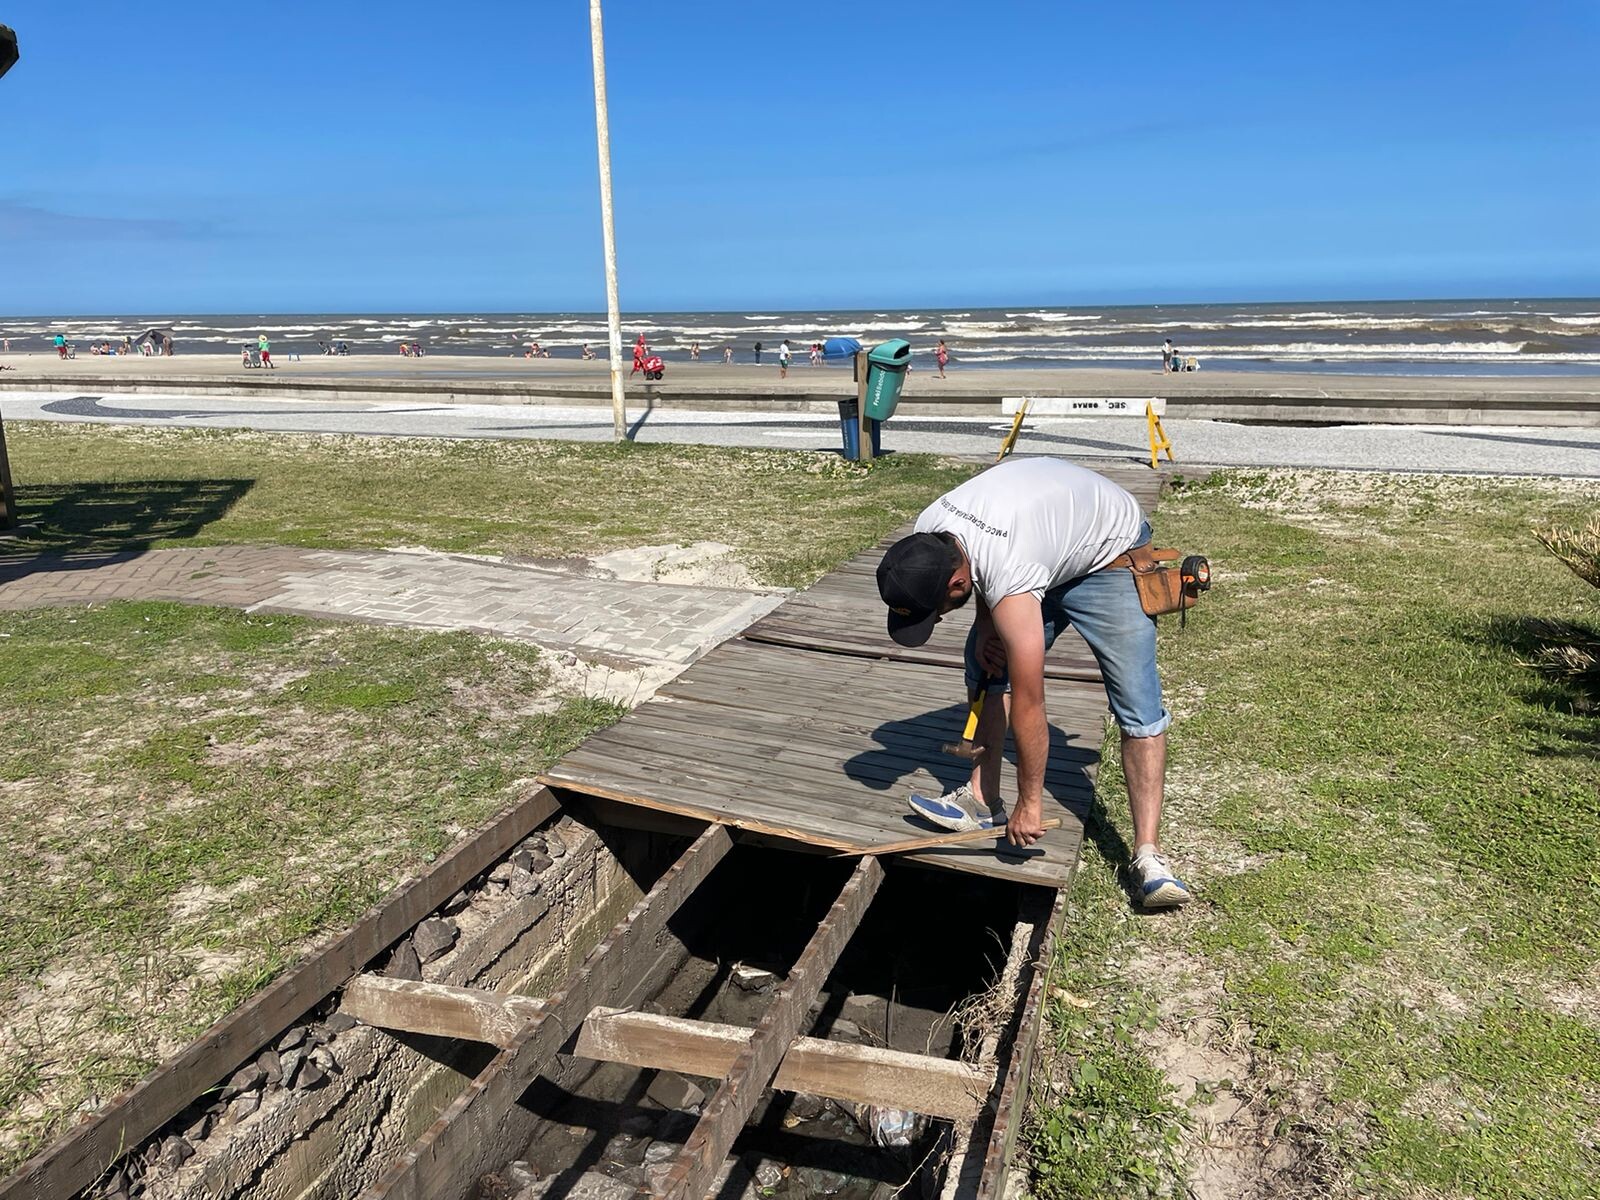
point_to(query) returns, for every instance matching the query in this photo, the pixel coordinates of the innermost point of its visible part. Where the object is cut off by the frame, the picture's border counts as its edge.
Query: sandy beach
(572, 378)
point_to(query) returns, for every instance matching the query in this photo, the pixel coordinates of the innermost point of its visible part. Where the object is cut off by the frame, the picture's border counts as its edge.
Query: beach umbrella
(840, 347)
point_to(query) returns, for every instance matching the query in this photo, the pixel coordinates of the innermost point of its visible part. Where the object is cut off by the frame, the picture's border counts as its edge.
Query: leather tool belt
(1161, 588)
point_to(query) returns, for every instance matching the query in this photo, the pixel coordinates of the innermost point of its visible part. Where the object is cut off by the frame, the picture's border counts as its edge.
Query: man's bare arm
(1020, 626)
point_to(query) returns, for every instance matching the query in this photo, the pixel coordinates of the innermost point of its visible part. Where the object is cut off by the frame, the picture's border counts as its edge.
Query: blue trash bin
(850, 426)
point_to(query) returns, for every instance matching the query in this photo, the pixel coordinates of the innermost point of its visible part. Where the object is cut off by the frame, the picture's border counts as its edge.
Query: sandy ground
(747, 377)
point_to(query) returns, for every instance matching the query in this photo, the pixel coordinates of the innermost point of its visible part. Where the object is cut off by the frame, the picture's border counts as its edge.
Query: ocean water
(1465, 337)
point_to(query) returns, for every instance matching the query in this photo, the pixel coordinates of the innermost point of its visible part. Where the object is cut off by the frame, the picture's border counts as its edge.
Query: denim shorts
(1104, 608)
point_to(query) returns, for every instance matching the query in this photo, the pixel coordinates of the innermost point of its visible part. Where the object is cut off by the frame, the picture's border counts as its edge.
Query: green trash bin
(886, 375)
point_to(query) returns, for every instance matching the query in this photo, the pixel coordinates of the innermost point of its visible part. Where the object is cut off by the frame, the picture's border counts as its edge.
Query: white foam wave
(1473, 351)
(1585, 321)
(1055, 318)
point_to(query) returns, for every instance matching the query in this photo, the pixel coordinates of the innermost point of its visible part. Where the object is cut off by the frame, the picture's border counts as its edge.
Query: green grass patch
(189, 796)
(790, 515)
(1391, 817)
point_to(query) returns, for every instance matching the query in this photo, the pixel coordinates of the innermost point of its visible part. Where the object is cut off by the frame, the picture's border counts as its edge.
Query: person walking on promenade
(784, 355)
(1167, 355)
(758, 352)
(266, 351)
(941, 356)
(1038, 541)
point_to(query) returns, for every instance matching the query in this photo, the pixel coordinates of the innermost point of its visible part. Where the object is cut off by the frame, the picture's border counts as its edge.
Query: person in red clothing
(942, 356)
(640, 351)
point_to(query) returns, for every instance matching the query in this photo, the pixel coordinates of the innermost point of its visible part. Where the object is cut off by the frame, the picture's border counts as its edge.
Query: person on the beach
(1167, 353)
(758, 351)
(694, 351)
(640, 353)
(727, 356)
(266, 351)
(587, 352)
(1040, 542)
(61, 345)
(784, 354)
(941, 356)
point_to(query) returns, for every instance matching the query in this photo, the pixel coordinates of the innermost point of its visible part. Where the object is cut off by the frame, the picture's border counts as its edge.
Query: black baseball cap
(914, 581)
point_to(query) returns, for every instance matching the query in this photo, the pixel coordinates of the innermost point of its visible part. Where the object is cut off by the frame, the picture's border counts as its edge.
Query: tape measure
(1195, 574)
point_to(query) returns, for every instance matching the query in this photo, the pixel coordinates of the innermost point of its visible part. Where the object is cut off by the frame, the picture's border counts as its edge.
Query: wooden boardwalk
(813, 727)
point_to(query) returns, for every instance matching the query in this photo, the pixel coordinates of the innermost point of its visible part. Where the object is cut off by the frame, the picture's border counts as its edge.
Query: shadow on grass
(83, 518)
(1565, 659)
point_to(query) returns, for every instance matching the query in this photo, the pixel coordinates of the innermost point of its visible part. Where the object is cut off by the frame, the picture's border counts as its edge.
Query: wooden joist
(439, 1009)
(727, 1111)
(920, 1083)
(73, 1162)
(1009, 1104)
(448, 1151)
(966, 1165)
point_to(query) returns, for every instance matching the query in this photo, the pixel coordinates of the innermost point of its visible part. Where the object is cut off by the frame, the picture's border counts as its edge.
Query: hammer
(964, 748)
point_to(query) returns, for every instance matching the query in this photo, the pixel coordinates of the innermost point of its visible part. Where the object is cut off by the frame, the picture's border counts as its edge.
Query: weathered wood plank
(819, 755)
(939, 1087)
(837, 1070)
(774, 768)
(812, 637)
(932, 840)
(1048, 863)
(821, 734)
(451, 1149)
(438, 1009)
(730, 1107)
(77, 1159)
(802, 815)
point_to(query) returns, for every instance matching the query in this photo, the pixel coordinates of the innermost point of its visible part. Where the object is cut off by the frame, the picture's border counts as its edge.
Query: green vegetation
(790, 515)
(190, 796)
(1391, 813)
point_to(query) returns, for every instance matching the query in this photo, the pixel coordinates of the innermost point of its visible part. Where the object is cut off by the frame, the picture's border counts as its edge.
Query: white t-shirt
(1031, 524)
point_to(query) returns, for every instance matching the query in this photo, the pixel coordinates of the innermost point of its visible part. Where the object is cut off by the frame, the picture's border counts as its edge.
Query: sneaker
(953, 811)
(1158, 886)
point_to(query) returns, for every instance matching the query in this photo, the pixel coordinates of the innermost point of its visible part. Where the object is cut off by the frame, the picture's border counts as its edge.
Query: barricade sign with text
(1151, 409)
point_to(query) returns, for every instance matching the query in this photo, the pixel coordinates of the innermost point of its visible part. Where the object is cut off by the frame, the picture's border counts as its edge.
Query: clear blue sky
(299, 156)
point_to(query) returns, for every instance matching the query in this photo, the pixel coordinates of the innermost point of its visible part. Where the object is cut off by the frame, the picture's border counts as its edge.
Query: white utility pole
(597, 38)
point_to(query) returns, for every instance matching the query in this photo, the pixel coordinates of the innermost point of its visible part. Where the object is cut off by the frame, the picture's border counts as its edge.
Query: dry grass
(1386, 985)
(190, 797)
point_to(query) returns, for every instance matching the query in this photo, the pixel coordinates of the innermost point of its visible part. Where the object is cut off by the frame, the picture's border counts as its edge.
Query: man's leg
(1144, 766)
(1105, 609)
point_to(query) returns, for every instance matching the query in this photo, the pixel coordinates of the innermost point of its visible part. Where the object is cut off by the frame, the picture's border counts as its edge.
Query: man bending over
(1034, 539)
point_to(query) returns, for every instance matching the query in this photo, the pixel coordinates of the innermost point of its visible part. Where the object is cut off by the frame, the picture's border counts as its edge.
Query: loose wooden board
(825, 749)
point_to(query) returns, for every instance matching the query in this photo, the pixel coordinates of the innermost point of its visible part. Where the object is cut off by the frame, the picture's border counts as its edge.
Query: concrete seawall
(1282, 397)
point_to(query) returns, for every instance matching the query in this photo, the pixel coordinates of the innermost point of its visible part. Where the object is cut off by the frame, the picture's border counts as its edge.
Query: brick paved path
(618, 624)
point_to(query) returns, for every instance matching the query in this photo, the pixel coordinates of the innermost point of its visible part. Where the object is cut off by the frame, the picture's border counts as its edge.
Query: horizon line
(780, 311)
